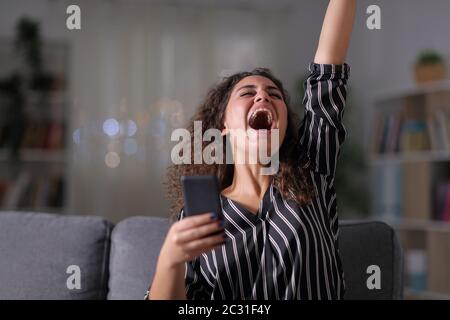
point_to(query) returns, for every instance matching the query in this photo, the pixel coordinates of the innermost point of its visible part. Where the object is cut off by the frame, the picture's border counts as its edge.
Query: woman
(276, 237)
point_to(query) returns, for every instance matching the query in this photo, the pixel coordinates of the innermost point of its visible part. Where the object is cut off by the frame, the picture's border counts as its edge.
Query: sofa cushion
(135, 247)
(37, 249)
(136, 243)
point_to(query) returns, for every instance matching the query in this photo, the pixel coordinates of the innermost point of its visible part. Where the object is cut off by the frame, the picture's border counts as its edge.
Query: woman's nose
(262, 97)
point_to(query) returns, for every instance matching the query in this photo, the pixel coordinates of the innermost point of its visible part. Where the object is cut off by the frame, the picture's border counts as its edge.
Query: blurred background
(86, 115)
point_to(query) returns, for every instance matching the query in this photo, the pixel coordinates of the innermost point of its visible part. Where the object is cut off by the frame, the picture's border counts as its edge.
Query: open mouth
(261, 119)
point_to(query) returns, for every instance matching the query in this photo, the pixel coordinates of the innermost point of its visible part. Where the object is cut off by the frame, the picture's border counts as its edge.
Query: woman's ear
(224, 130)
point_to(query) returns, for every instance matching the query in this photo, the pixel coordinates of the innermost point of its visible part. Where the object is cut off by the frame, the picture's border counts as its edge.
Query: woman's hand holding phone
(190, 237)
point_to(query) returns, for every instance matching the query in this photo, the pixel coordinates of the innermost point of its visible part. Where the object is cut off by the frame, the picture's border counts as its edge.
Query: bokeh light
(112, 159)
(111, 127)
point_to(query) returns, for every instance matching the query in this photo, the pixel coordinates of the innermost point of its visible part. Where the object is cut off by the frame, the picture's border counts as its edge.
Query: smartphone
(201, 194)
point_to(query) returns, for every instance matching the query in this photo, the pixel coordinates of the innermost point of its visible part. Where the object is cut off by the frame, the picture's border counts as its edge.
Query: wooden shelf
(415, 90)
(417, 224)
(36, 155)
(417, 156)
(424, 295)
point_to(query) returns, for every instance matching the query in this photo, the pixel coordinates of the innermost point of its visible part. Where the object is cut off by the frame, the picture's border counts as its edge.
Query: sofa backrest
(136, 243)
(135, 246)
(38, 250)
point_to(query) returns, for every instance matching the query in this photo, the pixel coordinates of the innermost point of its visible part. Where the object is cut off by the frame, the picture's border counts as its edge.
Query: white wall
(382, 60)
(130, 55)
(129, 59)
(52, 15)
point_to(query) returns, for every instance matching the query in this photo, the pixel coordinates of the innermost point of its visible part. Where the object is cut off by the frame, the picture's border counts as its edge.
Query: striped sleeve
(322, 131)
(193, 283)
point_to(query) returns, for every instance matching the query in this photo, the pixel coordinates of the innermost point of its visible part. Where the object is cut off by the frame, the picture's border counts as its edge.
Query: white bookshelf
(41, 167)
(432, 237)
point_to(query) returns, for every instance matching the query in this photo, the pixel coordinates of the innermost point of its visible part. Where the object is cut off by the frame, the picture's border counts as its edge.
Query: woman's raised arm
(336, 32)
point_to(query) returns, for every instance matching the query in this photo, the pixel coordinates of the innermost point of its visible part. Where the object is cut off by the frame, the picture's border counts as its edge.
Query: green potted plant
(429, 67)
(29, 76)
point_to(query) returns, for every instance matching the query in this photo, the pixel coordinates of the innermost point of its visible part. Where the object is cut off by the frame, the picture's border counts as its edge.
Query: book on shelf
(32, 192)
(387, 196)
(403, 191)
(394, 134)
(416, 269)
(54, 138)
(442, 201)
(16, 189)
(438, 123)
(413, 128)
(413, 136)
(43, 136)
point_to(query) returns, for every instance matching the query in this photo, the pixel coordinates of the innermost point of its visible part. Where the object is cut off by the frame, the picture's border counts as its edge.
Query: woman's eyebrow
(252, 86)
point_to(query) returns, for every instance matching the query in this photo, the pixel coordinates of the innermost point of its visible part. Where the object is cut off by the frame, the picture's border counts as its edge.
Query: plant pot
(429, 72)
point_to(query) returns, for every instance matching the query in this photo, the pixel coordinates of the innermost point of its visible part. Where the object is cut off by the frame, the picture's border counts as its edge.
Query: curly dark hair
(291, 180)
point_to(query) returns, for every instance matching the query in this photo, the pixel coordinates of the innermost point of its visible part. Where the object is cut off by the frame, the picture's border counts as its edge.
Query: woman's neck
(248, 182)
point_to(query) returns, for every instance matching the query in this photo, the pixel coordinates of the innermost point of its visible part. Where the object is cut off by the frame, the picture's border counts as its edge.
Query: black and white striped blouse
(286, 251)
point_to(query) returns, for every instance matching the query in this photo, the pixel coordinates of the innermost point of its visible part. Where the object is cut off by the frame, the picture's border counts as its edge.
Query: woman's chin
(261, 137)
(258, 137)
(258, 151)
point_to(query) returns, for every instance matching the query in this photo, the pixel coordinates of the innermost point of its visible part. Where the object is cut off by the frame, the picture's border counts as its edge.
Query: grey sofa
(118, 262)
